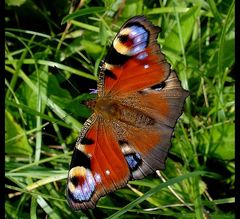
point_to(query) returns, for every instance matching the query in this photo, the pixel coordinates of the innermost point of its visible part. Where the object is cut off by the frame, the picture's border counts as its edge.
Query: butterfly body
(116, 110)
(128, 135)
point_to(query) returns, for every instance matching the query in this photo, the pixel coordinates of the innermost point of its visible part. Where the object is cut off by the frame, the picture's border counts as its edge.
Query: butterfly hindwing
(157, 113)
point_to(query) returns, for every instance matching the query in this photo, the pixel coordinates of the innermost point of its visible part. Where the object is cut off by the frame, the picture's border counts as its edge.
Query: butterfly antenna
(93, 91)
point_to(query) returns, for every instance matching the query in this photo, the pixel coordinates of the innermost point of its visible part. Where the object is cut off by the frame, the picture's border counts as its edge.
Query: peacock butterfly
(139, 99)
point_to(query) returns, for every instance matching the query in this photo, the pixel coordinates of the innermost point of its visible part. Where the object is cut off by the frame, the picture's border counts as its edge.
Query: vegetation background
(52, 53)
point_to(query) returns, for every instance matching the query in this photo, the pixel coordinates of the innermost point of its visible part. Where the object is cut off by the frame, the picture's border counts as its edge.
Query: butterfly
(139, 99)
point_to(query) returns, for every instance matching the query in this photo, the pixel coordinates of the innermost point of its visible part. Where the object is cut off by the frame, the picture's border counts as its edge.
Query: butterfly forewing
(134, 61)
(128, 136)
(98, 166)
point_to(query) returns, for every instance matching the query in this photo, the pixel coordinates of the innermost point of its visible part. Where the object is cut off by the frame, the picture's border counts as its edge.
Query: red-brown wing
(146, 144)
(134, 61)
(97, 167)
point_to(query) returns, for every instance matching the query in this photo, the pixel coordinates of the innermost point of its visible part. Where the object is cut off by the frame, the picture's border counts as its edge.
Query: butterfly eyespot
(158, 87)
(133, 160)
(137, 49)
(81, 185)
(131, 40)
(74, 180)
(77, 172)
(123, 38)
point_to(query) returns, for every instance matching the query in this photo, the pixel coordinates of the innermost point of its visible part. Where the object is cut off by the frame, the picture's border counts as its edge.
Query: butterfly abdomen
(107, 108)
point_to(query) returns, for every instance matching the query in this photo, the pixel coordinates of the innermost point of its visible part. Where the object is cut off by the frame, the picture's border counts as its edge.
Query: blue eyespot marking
(142, 55)
(84, 192)
(139, 38)
(85, 186)
(133, 160)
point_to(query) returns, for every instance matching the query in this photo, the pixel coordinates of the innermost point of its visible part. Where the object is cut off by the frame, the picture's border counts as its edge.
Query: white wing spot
(97, 177)
(108, 172)
(146, 66)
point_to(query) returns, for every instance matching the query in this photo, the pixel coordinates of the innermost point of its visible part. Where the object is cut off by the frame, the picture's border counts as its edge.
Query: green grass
(52, 54)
